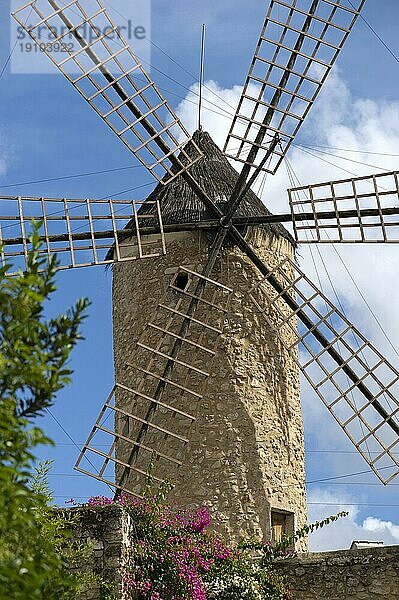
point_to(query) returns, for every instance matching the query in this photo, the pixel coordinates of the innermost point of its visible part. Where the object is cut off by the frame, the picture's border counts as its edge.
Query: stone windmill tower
(207, 327)
(246, 454)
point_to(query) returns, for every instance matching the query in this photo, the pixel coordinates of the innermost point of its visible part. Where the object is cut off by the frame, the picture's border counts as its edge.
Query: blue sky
(46, 131)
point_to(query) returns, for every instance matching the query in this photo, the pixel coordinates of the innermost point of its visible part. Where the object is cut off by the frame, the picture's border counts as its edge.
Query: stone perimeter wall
(371, 574)
(105, 531)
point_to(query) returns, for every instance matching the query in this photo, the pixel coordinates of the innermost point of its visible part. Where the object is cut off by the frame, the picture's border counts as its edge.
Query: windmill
(163, 374)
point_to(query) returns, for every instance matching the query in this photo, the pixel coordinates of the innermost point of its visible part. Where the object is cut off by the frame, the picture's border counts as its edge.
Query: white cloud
(340, 535)
(337, 120)
(379, 527)
(219, 107)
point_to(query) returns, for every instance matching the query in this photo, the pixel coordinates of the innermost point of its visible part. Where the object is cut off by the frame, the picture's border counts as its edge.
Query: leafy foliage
(34, 351)
(33, 367)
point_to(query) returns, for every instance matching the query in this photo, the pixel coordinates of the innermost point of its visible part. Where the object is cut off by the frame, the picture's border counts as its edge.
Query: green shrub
(34, 353)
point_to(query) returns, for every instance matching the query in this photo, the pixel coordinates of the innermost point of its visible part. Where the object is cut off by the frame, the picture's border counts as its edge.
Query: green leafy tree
(34, 354)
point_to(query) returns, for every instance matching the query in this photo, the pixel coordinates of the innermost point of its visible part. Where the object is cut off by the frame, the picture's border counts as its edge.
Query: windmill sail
(299, 44)
(357, 384)
(361, 209)
(111, 79)
(80, 232)
(148, 426)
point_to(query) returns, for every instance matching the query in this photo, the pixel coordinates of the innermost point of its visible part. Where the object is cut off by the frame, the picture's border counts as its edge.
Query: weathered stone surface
(102, 529)
(246, 450)
(371, 574)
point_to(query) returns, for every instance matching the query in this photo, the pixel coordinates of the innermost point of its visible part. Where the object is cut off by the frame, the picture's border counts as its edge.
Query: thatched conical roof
(179, 204)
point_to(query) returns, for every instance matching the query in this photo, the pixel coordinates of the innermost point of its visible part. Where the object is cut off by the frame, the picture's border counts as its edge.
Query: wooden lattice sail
(356, 383)
(81, 232)
(111, 79)
(361, 209)
(299, 44)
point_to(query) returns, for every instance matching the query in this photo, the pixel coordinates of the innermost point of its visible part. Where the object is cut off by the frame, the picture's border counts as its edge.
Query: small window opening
(282, 523)
(181, 281)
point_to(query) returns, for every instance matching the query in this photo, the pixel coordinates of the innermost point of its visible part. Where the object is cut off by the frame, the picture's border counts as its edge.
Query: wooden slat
(148, 423)
(150, 399)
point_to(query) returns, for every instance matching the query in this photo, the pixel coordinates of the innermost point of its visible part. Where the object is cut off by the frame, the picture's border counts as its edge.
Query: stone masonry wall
(246, 450)
(104, 529)
(371, 574)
